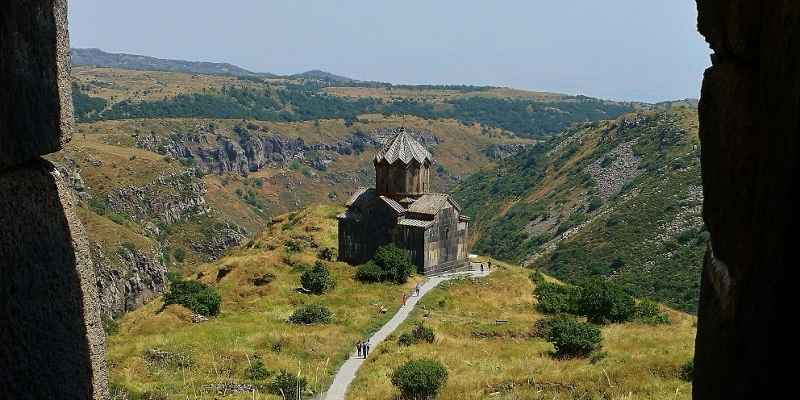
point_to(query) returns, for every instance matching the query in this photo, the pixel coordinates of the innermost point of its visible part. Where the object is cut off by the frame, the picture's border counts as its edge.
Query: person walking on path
(404, 299)
(359, 347)
(481, 267)
(489, 265)
(366, 348)
(347, 372)
(417, 290)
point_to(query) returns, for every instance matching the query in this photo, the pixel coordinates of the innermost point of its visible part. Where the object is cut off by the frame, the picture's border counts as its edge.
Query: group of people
(416, 291)
(489, 265)
(362, 348)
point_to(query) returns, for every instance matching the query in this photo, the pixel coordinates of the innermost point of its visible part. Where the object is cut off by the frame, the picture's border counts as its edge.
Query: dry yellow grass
(505, 361)
(484, 360)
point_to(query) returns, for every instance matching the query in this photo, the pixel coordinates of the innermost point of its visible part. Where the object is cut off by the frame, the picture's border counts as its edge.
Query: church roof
(405, 148)
(349, 214)
(361, 197)
(416, 223)
(431, 203)
(393, 204)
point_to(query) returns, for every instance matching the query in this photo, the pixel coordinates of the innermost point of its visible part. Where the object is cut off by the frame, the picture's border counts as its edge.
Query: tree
(420, 379)
(195, 296)
(554, 298)
(369, 272)
(394, 262)
(604, 301)
(318, 279)
(570, 337)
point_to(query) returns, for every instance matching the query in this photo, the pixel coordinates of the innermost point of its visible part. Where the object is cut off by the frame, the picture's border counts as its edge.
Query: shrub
(422, 332)
(595, 202)
(687, 370)
(256, 371)
(570, 338)
(406, 339)
(648, 312)
(179, 253)
(369, 272)
(194, 296)
(294, 247)
(318, 279)
(604, 301)
(554, 298)
(311, 314)
(130, 247)
(287, 385)
(536, 277)
(394, 262)
(419, 379)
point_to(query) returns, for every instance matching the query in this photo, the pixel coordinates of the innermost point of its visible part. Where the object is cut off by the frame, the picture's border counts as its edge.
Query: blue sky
(615, 49)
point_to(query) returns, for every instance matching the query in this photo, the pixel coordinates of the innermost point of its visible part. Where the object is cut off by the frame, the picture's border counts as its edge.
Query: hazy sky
(645, 50)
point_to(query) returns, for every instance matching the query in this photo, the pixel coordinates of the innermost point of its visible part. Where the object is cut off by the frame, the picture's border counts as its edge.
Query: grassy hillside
(620, 199)
(162, 354)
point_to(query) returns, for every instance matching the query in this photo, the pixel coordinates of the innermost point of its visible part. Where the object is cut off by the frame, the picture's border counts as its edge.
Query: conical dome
(404, 148)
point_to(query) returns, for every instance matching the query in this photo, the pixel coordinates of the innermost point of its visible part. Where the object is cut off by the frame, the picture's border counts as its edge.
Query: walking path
(347, 371)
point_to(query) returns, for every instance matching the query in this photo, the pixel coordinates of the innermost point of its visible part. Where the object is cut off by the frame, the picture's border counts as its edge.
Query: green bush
(422, 332)
(406, 339)
(194, 296)
(570, 337)
(604, 301)
(287, 385)
(394, 262)
(419, 379)
(648, 312)
(179, 253)
(555, 298)
(536, 277)
(256, 371)
(318, 279)
(687, 370)
(369, 272)
(311, 314)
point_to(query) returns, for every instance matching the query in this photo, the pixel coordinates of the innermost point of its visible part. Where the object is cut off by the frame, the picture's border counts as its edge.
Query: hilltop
(97, 57)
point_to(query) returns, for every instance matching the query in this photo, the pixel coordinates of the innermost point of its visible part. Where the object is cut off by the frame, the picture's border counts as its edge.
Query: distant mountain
(97, 57)
(323, 76)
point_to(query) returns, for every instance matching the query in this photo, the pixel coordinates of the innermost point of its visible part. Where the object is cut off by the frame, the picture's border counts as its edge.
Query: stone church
(401, 210)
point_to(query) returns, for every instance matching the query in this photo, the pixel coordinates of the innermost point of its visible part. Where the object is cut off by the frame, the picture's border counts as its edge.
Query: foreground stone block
(53, 344)
(749, 115)
(36, 115)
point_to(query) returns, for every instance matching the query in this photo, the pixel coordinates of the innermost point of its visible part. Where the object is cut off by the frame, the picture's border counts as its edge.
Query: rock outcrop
(135, 279)
(749, 129)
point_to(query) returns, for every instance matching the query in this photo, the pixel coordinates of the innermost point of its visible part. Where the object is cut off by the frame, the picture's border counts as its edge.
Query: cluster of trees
(599, 300)
(86, 107)
(525, 118)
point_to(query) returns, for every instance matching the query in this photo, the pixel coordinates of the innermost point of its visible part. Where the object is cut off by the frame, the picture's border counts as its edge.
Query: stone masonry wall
(52, 344)
(749, 114)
